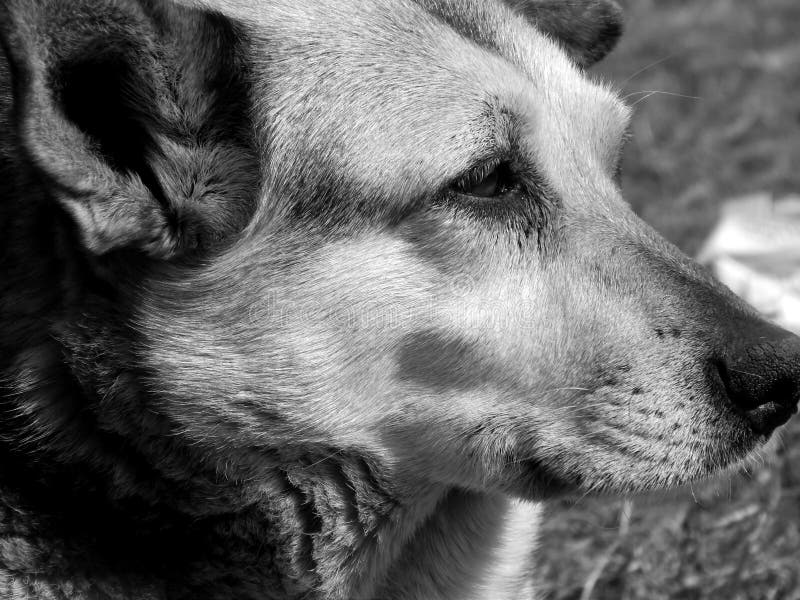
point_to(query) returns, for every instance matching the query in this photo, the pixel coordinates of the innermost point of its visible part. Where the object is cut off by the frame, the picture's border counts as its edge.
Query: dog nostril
(763, 383)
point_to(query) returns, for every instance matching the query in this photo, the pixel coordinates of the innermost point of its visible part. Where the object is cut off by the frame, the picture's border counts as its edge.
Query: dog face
(389, 230)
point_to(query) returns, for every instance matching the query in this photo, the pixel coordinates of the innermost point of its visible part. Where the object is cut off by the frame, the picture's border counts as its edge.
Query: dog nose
(762, 379)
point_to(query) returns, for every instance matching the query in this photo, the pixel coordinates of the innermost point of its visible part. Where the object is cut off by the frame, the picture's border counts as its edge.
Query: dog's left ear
(135, 134)
(588, 29)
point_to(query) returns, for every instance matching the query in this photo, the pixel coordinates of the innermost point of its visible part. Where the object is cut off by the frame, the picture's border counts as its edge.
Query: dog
(325, 298)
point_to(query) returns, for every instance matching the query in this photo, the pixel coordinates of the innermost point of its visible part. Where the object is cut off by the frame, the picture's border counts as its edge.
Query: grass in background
(716, 89)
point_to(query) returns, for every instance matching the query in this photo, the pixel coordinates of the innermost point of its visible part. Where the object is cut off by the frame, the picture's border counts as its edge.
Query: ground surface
(737, 132)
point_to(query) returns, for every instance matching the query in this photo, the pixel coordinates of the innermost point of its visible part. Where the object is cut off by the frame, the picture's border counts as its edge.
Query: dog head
(384, 229)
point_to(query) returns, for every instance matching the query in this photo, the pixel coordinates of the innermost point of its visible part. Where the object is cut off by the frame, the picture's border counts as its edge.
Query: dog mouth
(765, 419)
(726, 428)
(539, 480)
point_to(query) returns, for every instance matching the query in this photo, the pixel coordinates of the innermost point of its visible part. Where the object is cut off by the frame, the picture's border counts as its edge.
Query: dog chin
(762, 451)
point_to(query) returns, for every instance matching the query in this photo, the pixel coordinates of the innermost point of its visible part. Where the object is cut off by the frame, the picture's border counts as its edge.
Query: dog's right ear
(102, 121)
(588, 29)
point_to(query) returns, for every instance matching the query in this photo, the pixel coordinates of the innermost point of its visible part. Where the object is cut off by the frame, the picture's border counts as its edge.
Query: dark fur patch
(441, 364)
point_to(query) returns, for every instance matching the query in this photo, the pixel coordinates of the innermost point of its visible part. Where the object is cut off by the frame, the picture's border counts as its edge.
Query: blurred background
(715, 85)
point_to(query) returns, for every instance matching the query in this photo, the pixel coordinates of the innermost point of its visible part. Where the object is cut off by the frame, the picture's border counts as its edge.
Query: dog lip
(768, 417)
(539, 476)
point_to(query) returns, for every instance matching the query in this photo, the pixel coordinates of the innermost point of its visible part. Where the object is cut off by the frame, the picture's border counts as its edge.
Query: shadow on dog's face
(390, 230)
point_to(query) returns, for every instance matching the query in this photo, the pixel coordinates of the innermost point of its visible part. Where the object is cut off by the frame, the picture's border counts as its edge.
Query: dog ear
(588, 29)
(100, 118)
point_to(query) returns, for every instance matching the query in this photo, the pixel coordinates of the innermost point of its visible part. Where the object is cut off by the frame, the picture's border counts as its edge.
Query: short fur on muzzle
(323, 299)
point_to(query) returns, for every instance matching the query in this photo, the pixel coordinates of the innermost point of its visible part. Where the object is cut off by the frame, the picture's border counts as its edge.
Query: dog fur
(260, 338)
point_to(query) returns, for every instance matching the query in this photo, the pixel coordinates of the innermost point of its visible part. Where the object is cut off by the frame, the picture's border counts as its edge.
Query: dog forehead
(396, 97)
(380, 92)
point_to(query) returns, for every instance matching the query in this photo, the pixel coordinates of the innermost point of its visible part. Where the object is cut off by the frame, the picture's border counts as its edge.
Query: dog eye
(486, 181)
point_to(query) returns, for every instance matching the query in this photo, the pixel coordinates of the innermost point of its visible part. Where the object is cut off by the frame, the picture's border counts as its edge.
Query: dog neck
(322, 530)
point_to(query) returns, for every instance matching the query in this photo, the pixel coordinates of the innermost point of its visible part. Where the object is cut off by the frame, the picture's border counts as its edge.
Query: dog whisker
(746, 373)
(647, 68)
(649, 93)
(579, 407)
(321, 460)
